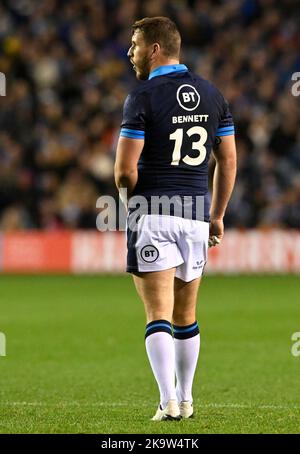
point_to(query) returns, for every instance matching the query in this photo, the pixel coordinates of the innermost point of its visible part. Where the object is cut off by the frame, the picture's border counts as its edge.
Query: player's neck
(164, 62)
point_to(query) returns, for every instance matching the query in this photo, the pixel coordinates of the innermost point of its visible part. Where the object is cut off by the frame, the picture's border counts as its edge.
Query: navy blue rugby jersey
(179, 115)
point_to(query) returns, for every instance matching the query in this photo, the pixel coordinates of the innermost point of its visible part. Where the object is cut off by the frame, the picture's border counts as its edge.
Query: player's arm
(127, 156)
(223, 182)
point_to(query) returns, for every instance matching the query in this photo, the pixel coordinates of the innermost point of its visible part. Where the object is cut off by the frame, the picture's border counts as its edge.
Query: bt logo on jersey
(190, 96)
(187, 96)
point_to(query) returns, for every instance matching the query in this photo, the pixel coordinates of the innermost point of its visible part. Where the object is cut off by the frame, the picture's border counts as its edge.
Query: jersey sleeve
(226, 125)
(134, 117)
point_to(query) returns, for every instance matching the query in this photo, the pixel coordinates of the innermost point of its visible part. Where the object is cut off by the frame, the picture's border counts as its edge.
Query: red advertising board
(36, 252)
(253, 251)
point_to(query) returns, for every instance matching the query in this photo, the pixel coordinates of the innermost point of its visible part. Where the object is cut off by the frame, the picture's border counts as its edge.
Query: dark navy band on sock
(185, 332)
(158, 326)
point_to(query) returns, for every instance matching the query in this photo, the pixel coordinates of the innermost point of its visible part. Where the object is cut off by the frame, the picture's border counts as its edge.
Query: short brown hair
(160, 30)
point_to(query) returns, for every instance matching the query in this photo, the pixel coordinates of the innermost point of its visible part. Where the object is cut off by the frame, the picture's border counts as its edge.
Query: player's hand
(216, 232)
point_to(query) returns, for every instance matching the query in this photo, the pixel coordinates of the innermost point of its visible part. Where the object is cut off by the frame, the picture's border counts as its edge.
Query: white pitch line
(142, 404)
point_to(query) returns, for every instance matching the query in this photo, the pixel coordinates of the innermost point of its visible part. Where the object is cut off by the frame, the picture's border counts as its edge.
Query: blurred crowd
(68, 75)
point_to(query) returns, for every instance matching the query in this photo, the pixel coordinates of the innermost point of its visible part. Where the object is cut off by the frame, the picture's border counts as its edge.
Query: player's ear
(155, 49)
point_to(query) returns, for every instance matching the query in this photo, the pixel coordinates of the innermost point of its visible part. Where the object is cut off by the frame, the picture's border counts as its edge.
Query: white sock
(187, 347)
(161, 354)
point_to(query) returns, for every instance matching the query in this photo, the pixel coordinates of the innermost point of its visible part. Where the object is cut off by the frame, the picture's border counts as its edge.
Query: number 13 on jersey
(198, 145)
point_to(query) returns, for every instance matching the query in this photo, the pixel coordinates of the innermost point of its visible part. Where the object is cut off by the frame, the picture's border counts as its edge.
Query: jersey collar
(167, 69)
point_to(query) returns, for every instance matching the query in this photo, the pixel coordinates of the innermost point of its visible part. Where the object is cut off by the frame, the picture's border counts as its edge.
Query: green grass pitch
(76, 359)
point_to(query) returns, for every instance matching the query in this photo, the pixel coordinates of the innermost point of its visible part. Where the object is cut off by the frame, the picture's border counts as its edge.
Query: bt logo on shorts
(188, 97)
(149, 253)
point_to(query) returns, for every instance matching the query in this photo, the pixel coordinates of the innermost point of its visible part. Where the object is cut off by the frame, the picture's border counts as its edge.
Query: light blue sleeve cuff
(225, 131)
(132, 133)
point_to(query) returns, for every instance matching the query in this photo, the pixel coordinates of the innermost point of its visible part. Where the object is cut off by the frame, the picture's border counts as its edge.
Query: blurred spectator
(14, 218)
(67, 78)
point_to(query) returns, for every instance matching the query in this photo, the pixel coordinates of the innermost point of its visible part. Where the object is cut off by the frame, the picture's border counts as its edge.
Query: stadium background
(69, 359)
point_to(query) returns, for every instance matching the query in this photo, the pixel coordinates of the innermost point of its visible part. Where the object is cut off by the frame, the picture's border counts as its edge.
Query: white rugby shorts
(161, 242)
